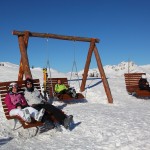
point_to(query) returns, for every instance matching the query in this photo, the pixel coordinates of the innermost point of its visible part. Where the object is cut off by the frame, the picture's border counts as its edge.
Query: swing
(62, 97)
(131, 81)
(51, 82)
(3, 92)
(132, 84)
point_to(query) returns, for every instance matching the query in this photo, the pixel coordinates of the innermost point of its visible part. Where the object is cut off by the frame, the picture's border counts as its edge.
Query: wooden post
(86, 68)
(21, 71)
(103, 76)
(128, 65)
(24, 57)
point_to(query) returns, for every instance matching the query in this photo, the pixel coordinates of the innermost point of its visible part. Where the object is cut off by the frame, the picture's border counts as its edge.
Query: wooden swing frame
(23, 38)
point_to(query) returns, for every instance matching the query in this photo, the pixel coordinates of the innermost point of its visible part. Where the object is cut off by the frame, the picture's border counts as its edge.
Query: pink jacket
(12, 99)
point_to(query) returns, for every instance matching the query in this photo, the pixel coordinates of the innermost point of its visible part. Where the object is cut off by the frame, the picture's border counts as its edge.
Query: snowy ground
(123, 125)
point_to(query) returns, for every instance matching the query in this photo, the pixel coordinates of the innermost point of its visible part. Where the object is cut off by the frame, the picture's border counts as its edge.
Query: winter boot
(68, 120)
(73, 93)
(40, 114)
(58, 127)
(26, 115)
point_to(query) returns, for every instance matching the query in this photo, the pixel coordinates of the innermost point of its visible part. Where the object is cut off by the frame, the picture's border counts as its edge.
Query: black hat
(28, 80)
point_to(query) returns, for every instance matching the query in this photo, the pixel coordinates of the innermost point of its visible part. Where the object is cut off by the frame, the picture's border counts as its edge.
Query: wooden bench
(50, 88)
(3, 91)
(132, 87)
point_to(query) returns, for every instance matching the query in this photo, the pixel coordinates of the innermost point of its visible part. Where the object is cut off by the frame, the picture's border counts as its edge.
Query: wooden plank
(66, 97)
(134, 74)
(142, 93)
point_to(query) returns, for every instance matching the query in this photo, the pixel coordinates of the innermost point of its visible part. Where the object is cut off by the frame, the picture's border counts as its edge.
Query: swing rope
(74, 65)
(49, 69)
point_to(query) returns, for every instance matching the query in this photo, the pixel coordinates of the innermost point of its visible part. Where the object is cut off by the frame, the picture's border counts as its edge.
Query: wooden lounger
(132, 87)
(3, 92)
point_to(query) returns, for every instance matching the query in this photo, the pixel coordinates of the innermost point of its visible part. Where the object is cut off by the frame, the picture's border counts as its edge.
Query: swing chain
(74, 65)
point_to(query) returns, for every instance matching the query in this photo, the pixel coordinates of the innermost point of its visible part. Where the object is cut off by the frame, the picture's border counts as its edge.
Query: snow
(123, 125)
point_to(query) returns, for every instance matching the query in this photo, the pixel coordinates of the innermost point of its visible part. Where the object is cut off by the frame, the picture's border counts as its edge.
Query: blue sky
(123, 27)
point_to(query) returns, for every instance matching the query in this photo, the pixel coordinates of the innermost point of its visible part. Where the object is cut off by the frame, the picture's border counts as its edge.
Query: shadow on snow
(5, 140)
(89, 86)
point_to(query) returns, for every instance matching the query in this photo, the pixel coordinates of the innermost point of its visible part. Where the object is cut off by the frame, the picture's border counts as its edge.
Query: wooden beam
(87, 64)
(55, 36)
(103, 76)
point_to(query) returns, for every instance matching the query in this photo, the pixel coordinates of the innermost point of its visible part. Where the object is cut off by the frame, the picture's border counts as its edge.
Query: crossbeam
(55, 36)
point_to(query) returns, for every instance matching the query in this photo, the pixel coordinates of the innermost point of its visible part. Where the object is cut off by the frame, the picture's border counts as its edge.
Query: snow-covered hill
(123, 125)
(120, 69)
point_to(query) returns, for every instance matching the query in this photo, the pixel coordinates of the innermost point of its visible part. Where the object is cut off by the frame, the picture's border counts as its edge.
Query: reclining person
(60, 88)
(17, 105)
(143, 83)
(34, 99)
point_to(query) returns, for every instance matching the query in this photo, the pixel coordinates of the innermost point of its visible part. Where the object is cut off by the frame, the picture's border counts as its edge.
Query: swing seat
(50, 86)
(132, 87)
(3, 92)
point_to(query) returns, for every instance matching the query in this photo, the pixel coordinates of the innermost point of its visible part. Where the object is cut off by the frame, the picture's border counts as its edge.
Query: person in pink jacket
(17, 105)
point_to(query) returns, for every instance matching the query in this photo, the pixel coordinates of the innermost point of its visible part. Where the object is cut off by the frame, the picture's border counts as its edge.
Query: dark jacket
(143, 84)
